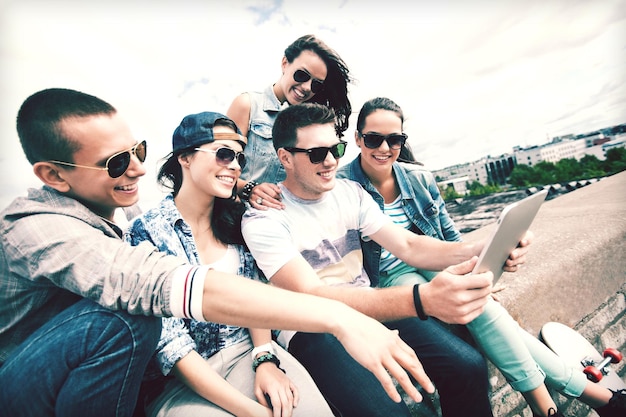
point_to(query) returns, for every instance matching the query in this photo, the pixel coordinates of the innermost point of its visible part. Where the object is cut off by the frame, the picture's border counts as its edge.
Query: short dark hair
(292, 118)
(38, 122)
(335, 92)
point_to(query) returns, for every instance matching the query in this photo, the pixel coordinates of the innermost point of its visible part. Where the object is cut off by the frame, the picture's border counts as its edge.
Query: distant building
(469, 172)
(551, 152)
(496, 171)
(459, 185)
(499, 169)
(488, 170)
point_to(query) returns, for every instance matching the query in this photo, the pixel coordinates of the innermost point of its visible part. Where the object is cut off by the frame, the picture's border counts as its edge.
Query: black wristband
(419, 309)
(267, 357)
(246, 191)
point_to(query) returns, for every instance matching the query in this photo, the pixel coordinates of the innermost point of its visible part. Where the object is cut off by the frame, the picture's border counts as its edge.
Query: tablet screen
(513, 222)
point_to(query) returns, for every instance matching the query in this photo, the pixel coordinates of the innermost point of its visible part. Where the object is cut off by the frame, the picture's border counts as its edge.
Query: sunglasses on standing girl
(301, 76)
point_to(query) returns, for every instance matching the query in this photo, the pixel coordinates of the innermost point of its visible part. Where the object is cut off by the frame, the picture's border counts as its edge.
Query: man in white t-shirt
(80, 309)
(313, 246)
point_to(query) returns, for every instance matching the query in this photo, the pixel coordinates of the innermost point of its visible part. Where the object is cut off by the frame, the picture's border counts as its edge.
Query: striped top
(395, 211)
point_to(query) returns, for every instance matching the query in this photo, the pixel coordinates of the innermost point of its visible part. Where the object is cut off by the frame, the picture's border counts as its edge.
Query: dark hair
(292, 118)
(383, 103)
(227, 212)
(406, 155)
(335, 92)
(39, 117)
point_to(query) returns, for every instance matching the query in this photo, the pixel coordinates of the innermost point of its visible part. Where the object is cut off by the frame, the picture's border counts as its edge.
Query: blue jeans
(458, 371)
(86, 361)
(525, 362)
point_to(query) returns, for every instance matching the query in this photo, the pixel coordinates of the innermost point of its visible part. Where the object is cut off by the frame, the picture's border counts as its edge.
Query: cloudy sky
(474, 77)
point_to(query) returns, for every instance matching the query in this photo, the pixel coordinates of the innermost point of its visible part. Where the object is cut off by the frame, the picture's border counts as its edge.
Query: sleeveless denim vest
(262, 163)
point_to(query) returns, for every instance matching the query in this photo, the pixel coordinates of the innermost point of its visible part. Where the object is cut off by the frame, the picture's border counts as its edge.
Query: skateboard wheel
(593, 373)
(612, 353)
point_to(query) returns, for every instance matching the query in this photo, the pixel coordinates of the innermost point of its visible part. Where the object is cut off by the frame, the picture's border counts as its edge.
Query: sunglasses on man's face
(317, 155)
(225, 156)
(118, 163)
(301, 76)
(374, 140)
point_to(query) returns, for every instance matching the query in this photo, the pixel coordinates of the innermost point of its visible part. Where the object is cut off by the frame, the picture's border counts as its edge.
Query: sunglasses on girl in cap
(225, 156)
(317, 155)
(118, 163)
(374, 140)
(301, 76)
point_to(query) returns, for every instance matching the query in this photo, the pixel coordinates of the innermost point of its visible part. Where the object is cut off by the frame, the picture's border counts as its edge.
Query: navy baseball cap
(197, 129)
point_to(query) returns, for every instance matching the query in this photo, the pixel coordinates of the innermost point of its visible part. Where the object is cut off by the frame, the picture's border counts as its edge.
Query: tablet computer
(513, 222)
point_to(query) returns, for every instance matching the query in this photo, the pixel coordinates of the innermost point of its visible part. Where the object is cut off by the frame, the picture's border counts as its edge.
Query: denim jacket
(421, 200)
(262, 164)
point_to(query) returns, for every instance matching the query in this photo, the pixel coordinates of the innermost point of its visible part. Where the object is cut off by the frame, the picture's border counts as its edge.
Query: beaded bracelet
(419, 309)
(246, 191)
(268, 357)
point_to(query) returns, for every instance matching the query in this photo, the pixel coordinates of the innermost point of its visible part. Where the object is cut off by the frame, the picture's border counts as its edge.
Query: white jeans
(235, 365)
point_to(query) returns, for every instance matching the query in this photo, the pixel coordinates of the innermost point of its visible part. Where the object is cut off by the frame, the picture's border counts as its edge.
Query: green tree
(545, 173)
(615, 160)
(521, 176)
(591, 167)
(449, 193)
(568, 169)
(476, 189)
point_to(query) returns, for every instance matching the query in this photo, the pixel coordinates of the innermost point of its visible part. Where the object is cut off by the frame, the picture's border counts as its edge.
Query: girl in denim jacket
(220, 370)
(408, 193)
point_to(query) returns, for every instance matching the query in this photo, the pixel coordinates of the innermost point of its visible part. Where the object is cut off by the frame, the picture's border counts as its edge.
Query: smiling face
(288, 89)
(204, 175)
(99, 137)
(305, 179)
(379, 160)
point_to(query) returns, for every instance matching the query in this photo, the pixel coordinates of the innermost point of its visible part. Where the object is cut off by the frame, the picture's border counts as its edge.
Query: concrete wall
(575, 274)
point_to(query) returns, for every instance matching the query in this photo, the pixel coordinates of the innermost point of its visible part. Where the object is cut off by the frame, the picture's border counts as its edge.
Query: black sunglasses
(225, 156)
(317, 155)
(374, 140)
(118, 163)
(301, 76)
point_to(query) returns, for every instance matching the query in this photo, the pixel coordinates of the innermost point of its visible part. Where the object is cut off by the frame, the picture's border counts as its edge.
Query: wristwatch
(267, 357)
(246, 191)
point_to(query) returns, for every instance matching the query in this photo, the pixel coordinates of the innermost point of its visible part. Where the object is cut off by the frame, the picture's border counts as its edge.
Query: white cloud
(473, 77)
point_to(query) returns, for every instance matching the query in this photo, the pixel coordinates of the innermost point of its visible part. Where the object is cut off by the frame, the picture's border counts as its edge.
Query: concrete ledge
(604, 327)
(578, 258)
(575, 274)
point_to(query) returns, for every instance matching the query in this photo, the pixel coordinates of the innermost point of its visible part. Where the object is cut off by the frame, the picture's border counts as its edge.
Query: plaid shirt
(55, 250)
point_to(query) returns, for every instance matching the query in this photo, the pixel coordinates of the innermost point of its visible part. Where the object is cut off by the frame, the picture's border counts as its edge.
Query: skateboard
(579, 352)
